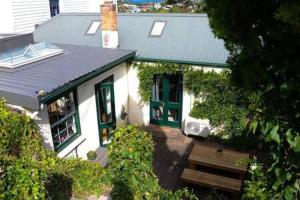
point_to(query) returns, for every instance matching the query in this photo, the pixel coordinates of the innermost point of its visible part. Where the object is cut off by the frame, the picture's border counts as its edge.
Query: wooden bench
(211, 180)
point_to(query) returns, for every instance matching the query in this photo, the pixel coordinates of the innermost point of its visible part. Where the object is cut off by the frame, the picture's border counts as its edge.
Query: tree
(263, 38)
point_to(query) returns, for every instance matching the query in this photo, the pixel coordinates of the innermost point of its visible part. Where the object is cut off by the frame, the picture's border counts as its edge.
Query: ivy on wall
(227, 107)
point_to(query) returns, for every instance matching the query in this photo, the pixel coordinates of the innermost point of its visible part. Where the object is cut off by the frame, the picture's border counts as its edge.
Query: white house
(20, 16)
(82, 91)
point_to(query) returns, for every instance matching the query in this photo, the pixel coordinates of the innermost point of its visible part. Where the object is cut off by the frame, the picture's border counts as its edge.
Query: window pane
(105, 105)
(61, 114)
(157, 28)
(174, 88)
(173, 115)
(56, 141)
(157, 89)
(157, 113)
(93, 27)
(106, 135)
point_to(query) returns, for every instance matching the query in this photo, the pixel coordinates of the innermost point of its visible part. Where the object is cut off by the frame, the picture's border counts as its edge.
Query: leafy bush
(227, 107)
(23, 159)
(131, 170)
(75, 177)
(29, 171)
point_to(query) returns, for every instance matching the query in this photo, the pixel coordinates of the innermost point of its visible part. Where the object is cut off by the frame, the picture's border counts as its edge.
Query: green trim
(73, 84)
(214, 65)
(103, 84)
(60, 147)
(69, 141)
(168, 105)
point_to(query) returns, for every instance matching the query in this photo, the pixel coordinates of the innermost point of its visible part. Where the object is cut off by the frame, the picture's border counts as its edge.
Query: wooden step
(211, 180)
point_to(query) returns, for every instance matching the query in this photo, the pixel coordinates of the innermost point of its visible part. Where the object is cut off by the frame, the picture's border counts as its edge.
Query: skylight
(93, 28)
(28, 54)
(157, 28)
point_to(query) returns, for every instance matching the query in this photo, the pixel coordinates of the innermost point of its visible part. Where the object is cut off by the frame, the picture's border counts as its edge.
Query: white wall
(89, 138)
(20, 16)
(138, 113)
(42, 120)
(82, 6)
(6, 17)
(88, 110)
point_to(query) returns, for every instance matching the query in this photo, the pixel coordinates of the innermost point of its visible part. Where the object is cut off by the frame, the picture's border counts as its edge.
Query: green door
(105, 110)
(166, 102)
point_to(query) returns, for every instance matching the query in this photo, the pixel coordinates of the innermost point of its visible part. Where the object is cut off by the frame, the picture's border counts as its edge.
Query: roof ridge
(138, 14)
(47, 21)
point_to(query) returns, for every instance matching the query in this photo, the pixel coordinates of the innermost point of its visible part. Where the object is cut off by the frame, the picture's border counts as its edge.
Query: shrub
(29, 171)
(75, 177)
(131, 170)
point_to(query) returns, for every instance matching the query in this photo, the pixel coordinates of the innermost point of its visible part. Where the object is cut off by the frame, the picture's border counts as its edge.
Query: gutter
(215, 65)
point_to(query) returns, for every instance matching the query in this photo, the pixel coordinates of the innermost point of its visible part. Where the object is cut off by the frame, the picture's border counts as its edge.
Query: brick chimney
(109, 24)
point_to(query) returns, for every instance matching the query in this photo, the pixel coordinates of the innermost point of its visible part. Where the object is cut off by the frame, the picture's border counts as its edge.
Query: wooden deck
(172, 149)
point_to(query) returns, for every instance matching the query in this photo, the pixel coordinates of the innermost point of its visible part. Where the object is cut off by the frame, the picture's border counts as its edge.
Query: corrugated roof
(185, 38)
(74, 66)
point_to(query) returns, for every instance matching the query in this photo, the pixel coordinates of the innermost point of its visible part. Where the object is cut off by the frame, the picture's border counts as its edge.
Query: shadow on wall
(135, 112)
(44, 127)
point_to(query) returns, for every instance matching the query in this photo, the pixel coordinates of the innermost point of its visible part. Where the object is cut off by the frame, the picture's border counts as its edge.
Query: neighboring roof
(186, 38)
(57, 74)
(9, 41)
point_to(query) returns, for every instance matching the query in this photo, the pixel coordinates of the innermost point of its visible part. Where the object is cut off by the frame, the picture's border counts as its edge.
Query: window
(157, 28)
(54, 7)
(93, 28)
(64, 122)
(28, 54)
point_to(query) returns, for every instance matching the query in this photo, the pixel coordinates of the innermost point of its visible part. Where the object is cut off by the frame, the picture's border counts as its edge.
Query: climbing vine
(217, 99)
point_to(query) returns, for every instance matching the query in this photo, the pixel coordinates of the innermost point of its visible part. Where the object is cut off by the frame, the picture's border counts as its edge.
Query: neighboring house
(88, 88)
(20, 16)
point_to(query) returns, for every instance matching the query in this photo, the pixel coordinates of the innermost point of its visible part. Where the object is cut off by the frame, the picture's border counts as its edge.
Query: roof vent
(28, 54)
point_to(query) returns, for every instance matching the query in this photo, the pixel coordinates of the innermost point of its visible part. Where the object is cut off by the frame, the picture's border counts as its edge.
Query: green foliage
(255, 188)
(263, 38)
(76, 177)
(23, 159)
(219, 101)
(131, 170)
(29, 171)
(227, 107)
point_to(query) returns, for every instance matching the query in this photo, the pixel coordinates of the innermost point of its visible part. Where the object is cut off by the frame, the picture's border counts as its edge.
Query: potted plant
(91, 155)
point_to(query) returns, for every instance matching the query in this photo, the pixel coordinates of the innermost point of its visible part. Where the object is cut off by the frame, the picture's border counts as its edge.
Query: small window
(63, 118)
(157, 28)
(93, 28)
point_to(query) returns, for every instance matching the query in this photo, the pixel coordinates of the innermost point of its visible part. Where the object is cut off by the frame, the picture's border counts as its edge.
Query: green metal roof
(186, 38)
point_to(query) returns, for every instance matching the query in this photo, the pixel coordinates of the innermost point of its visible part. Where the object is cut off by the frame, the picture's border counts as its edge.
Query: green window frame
(64, 119)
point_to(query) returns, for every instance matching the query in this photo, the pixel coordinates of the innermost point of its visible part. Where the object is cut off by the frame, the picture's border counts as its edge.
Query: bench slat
(211, 180)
